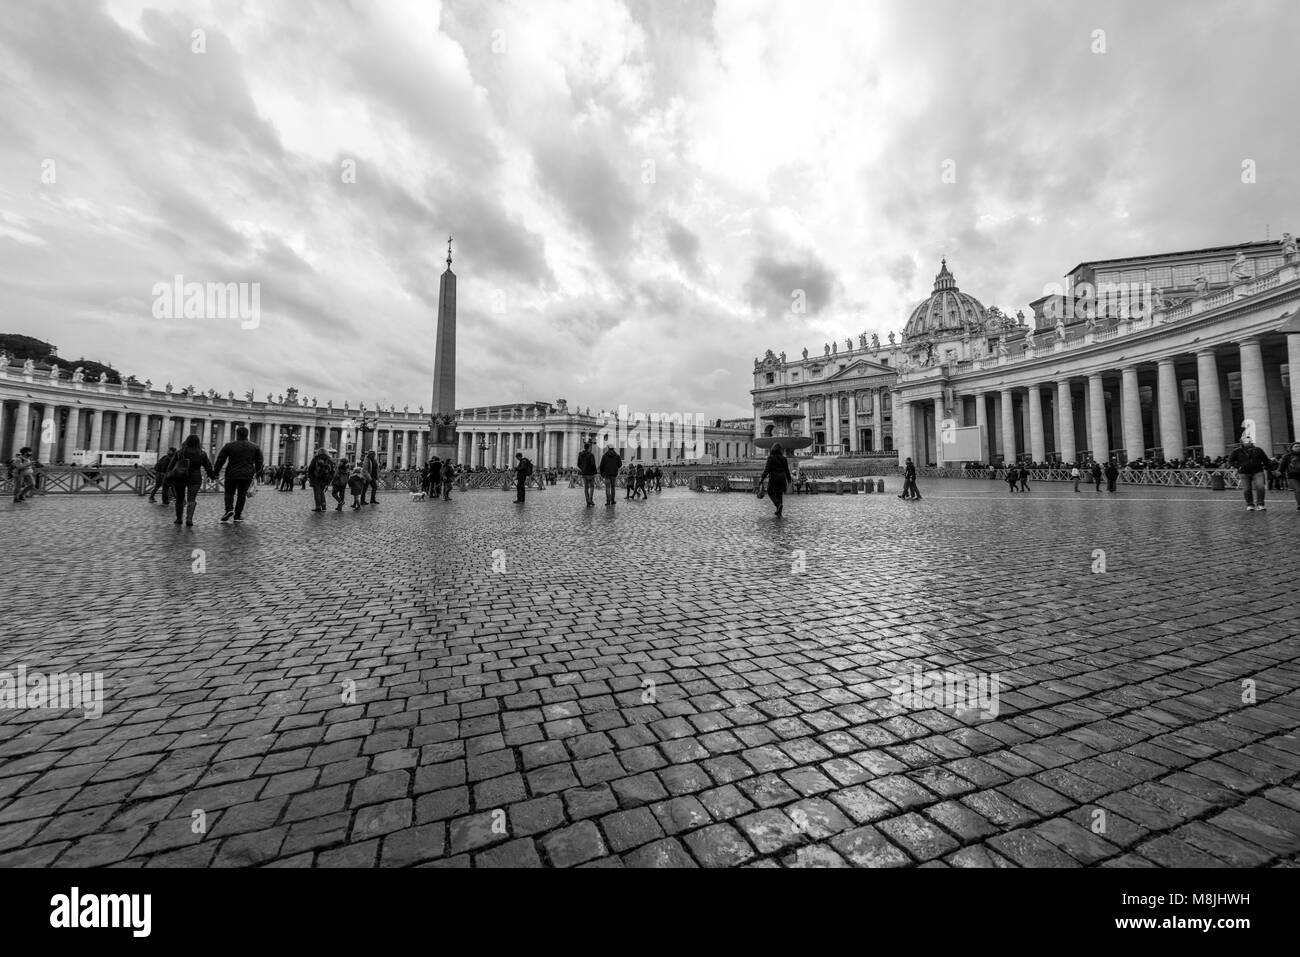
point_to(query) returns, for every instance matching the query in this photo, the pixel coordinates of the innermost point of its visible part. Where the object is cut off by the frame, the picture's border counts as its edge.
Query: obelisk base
(443, 438)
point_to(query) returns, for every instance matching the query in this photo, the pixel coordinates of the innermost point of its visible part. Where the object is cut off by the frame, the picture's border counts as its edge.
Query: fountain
(781, 416)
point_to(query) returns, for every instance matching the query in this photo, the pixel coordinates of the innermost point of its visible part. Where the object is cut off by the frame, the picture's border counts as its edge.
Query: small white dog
(418, 496)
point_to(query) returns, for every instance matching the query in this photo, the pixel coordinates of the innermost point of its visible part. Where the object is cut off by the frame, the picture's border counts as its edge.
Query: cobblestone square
(684, 682)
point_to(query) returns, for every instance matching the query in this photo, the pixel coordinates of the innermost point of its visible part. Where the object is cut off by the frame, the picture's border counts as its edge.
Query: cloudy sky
(636, 187)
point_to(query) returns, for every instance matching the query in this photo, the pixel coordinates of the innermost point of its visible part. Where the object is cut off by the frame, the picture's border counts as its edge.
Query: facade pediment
(860, 367)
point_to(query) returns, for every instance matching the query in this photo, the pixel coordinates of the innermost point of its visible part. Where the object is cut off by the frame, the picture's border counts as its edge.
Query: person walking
(358, 482)
(186, 475)
(320, 472)
(448, 478)
(910, 490)
(1013, 477)
(1024, 478)
(435, 477)
(160, 470)
(1289, 469)
(610, 463)
(370, 467)
(23, 470)
(523, 469)
(241, 459)
(339, 484)
(587, 469)
(639, 490)
(1096, 475)
(1112, 476)
(1077, 476)
(777, 475)
(1251, 462)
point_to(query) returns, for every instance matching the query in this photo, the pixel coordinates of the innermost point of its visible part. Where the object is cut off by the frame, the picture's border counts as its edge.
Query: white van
(87, 459)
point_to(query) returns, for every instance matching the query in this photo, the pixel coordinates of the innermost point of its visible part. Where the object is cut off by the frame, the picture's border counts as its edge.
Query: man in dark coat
(1112, 475)
(587, 469)
(320, 472)
(523, 469)
(242, 460)
(160, 470)
(370, 465)
(777, 475)
(610, 463)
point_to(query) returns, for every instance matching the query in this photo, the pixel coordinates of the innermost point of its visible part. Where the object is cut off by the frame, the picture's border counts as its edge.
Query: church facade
(1167, 356)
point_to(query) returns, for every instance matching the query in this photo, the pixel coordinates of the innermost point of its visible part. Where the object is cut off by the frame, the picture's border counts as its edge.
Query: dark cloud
(774, 282)
(685, 247)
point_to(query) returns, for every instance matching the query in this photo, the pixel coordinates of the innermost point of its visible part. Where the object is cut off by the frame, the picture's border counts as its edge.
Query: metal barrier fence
(1172, 478)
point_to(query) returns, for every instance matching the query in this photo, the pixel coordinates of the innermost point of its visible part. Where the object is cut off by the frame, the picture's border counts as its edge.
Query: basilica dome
(948, 311)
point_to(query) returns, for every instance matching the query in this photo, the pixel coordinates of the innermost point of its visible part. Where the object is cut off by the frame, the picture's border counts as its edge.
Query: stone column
(878, 422)
(939, 457)
(1168, 400)
(1277, 402)
(1065, 422)
(142, 432)
(71, 433)
(96, 429)
(1008, 428)
(982, 422)
(119, 431)
(1134, 441)
(22, 426)
(1098, 437)
(49, 433)
(903, 430)
(1293, 361)
(1254, 393)
(1210, 398)
(1037, 442)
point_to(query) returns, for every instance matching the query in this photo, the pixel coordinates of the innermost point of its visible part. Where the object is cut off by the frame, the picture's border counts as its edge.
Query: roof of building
(1253, 244)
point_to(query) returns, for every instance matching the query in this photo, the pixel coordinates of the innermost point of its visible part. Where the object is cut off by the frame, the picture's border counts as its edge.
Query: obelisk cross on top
(442, 426)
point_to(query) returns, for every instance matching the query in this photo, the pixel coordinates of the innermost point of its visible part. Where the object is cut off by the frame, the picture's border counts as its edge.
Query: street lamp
(289, 436)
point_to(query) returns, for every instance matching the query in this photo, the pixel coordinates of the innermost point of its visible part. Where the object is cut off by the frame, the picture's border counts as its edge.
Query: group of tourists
(179, 476)
(437, 477)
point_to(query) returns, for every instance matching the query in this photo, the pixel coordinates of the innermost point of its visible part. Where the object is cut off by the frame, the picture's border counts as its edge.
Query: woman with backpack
(186, 477)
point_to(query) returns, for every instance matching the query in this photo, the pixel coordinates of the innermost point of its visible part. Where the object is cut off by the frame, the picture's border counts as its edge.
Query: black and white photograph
(401, 402)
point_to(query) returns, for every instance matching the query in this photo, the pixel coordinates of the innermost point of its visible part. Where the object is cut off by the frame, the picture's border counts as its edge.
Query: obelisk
(442, 428)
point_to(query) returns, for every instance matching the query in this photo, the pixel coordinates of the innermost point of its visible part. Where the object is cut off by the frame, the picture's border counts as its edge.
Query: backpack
(1293, 466)
(180, 468)
(527, 466)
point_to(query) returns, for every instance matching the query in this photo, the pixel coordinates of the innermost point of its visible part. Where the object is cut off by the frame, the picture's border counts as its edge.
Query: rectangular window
(771, 377)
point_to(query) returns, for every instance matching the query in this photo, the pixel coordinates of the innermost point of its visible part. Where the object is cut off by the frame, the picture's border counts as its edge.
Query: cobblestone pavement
(681, 682)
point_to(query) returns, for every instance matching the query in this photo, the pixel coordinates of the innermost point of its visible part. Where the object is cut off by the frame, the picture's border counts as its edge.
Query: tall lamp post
(289, 438)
